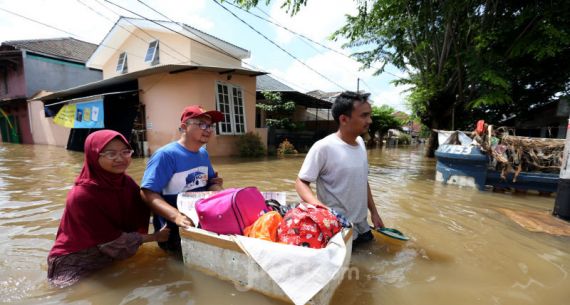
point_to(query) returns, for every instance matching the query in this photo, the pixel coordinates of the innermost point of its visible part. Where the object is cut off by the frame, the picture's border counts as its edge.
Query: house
(29, 66)
(151, 71)
(549, 120)
(409, 126)
(312, 115)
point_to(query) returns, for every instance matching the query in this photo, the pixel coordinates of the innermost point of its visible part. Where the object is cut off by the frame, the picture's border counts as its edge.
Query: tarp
(301, 272)
(443, 137)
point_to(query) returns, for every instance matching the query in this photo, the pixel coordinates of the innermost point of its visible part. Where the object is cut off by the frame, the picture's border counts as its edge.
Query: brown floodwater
(463, 250)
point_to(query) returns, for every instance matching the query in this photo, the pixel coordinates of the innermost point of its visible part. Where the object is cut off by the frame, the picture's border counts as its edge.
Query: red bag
(231, 210)
(308, 226)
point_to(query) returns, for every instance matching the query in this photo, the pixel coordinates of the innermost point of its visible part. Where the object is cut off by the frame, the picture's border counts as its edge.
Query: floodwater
(463, 250)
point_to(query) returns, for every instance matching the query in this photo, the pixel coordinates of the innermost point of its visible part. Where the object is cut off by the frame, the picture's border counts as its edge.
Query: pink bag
(231, 210)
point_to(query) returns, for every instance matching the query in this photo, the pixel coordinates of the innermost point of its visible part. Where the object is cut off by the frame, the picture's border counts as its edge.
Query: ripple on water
(160, 294)
(462, 250)
(14, 289)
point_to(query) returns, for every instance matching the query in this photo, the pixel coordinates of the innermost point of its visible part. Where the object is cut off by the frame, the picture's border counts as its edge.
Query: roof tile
(64, 48)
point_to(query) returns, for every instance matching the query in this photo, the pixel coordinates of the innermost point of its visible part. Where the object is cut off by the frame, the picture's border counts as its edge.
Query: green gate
(9, 129)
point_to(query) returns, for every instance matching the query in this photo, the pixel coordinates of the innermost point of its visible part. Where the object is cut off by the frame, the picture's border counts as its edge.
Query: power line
(185, 58)
(187, 28)
(46, 25)
(199, 34)
(278, 46)
(50, 26)
(300, 35)
(109, 19)
(247, 11)
(177, 32)
(155, 22)
(102, 15)
(211, 45)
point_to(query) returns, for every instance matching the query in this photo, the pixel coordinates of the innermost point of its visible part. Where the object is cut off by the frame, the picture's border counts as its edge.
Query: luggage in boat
(265, 227)
(308, 226)
(230, 257)
(231, 210)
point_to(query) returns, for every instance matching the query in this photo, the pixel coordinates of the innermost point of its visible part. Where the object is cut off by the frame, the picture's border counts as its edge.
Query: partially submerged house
(152, 70)
(311, 114)
(409, 126)
(29, 66)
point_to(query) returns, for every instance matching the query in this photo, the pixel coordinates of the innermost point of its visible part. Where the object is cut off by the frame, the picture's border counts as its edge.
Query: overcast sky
(90, 20)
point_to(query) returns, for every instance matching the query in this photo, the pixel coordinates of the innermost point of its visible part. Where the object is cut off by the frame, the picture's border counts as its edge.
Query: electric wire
(277, 45)
(301, 35)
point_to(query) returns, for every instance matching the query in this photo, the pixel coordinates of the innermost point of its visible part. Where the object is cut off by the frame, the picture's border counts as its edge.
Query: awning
(129, 81)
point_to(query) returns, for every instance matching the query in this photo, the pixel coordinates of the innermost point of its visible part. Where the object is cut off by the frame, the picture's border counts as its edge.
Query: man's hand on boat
(183, 221)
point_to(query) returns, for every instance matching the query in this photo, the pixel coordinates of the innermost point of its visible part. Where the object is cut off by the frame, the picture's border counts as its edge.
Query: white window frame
(122, 63)
(230, 103)
(154, 59)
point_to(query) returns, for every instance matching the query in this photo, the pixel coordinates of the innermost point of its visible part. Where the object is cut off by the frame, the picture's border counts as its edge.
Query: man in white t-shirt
(338, 164)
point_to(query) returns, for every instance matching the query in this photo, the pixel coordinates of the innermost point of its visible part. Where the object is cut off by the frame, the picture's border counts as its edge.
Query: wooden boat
(223, 257)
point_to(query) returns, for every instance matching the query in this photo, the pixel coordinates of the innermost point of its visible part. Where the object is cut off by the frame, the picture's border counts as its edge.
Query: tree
(383, 119)
(465, 59)
(277, 110)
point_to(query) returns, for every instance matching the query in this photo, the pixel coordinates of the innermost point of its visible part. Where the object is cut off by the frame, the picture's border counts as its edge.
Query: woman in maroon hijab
(105, 218)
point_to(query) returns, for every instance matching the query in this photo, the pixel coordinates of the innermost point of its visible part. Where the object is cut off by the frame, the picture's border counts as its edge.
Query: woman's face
(113, 157)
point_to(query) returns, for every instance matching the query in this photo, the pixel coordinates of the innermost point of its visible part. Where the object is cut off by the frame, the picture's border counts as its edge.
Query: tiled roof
(268, 83)
(326, 96)
(63, 48)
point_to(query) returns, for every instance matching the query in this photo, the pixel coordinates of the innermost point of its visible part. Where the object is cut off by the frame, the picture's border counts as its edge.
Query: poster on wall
(81, 115)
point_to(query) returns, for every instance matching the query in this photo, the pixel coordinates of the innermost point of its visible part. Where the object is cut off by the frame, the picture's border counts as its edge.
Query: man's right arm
(159, 206)
(303, 188)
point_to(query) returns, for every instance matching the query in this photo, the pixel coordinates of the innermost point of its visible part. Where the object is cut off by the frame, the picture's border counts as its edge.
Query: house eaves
(129, 81)
(124, 27)
(268, 83)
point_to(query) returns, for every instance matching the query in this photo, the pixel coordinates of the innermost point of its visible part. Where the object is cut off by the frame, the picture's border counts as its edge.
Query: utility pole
(562, 203)
(357, 85)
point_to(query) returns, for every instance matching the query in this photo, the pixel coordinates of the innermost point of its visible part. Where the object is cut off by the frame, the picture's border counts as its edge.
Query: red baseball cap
(195, 111)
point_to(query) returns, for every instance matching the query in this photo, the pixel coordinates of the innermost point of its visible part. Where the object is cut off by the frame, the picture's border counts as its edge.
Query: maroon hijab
(101, 205)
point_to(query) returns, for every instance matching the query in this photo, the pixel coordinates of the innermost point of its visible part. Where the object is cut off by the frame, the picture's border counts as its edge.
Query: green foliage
(383, 119)
(250, 145)
(405, 139)
(292, 6)
(286, 148)
(472, 56)
(466, 59)
(278, 112)
(424, 132)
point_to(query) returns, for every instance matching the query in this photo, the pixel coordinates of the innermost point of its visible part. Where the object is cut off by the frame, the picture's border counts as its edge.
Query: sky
(91, 20)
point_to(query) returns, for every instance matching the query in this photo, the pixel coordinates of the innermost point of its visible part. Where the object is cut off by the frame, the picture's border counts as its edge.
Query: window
(230, 103)
(122, 64)
(152, 53)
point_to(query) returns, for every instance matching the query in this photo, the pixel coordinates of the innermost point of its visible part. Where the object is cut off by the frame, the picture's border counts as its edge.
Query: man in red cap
(180, 166)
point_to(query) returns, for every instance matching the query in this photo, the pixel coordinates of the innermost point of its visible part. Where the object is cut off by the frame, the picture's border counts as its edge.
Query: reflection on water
(462, 249)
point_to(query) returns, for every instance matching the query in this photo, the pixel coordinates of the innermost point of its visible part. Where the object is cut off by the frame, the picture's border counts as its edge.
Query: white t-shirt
(340, 171)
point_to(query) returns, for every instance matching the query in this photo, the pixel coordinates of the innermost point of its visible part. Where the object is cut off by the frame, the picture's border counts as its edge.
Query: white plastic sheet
(301, 272)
